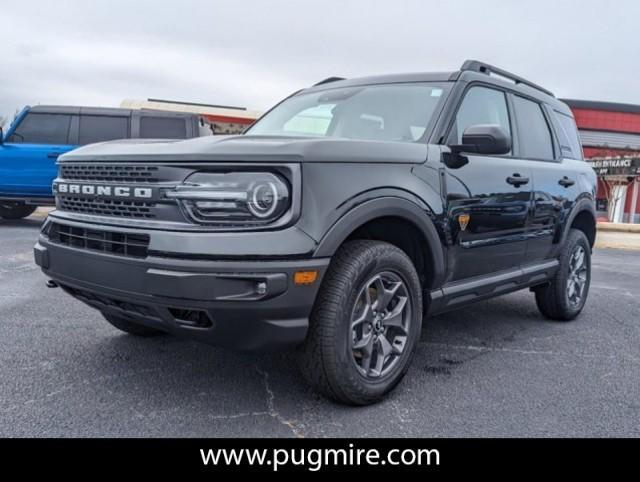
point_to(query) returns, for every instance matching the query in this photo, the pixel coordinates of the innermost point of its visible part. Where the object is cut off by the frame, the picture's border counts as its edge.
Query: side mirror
(483, 139)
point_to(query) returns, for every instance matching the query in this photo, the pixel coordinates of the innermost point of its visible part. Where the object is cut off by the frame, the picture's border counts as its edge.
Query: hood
(247, 148)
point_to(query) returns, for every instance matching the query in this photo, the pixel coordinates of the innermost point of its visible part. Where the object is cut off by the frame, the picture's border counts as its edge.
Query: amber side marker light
(305, 277)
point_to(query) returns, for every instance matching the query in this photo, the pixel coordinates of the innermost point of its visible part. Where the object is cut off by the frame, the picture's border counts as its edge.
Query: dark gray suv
(340, 219)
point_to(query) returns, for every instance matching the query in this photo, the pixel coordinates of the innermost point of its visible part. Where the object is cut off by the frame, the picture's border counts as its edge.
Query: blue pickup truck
(38, 135)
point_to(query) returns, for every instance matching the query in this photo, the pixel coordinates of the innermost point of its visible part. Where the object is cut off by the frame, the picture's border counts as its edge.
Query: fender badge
(463, 221)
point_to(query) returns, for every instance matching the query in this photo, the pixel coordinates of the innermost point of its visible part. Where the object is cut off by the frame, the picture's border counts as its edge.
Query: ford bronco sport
(340, 219)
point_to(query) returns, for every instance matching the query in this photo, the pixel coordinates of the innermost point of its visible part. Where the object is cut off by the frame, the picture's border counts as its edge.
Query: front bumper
(244, 304)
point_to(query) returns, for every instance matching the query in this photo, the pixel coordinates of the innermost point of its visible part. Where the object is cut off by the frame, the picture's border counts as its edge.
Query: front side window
(163, 128)
(94, 128)
(387, 112)
(38, 128)
(481, 105)
(534, 133)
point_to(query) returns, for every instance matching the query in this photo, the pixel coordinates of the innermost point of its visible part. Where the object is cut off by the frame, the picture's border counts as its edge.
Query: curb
(613, 245)
(41, 212)
(619, 227)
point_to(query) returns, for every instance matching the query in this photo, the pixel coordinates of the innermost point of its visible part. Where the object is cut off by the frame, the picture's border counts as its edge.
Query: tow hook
(51, 284)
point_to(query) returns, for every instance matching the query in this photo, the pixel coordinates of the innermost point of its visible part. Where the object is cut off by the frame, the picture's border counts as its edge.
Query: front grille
(153, 178)
(110, 242)
(107, 207)
(110, 173)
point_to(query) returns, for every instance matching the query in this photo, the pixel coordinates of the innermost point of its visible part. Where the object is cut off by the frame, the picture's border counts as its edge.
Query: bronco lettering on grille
(103, 191)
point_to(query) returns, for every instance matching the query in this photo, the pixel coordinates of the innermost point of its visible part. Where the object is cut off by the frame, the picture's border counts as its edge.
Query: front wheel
(15, 210)
(566, 295)
(365, 325)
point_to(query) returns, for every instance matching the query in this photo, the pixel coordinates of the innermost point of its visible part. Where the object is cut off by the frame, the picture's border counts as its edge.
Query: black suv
(335, 223)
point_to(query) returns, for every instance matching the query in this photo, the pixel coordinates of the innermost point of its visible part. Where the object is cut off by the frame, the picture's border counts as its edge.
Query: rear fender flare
(584, 204)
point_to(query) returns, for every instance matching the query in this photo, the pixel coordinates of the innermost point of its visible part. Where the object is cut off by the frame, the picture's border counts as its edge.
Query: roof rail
(328, 80)
(481, 67)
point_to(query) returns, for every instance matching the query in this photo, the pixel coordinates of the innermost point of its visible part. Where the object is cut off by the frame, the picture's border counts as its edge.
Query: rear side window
(94, 128)
(163, 128)
(568, 136)
(481, 105)
(43, 129)
(534, 133)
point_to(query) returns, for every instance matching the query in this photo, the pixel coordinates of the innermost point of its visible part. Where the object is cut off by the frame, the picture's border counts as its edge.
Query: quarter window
(43, 129)
(568, 137)
(95, 128)
(534, 133)
(481, 105)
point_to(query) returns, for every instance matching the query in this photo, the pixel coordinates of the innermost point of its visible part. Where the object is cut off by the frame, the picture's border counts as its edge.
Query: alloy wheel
(380, 323)
(578, 276)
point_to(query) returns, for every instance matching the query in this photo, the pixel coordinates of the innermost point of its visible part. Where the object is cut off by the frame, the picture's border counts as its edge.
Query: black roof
(107, 111)
(598, 105)
(333, 82)
(72, 109)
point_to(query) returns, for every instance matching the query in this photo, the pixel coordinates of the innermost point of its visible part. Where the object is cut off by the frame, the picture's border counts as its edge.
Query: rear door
(28, 157)
(488, 200)
(101, 128)
(552, 160)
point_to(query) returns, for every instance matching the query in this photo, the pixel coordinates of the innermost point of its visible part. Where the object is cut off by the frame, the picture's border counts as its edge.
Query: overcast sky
(252, 53)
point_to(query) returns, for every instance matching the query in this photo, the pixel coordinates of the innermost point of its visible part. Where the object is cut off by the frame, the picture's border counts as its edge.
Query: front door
(489, 199)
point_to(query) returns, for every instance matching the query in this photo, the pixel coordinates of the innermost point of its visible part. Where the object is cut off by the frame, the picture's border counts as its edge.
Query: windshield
(387, 112)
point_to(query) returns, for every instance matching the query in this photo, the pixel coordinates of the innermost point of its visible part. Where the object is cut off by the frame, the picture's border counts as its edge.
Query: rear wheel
(566, 295)
(130, 327)
(365, 324)
(15, 210)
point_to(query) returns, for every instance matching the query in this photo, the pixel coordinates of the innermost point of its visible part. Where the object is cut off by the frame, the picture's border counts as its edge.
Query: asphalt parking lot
(496, 369)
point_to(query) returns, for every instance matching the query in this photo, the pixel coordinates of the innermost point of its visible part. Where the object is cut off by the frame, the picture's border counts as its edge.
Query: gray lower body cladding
(246, 304)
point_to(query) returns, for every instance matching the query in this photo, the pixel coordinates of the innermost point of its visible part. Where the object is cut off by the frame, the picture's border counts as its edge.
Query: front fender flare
(386, 207)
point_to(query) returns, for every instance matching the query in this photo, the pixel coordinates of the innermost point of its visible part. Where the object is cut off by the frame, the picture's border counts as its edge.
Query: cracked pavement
(495, 369)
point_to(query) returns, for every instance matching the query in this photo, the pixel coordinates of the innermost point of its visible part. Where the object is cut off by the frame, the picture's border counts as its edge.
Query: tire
(337, 357)
(130, 327)
(12, 211)
(557, 300)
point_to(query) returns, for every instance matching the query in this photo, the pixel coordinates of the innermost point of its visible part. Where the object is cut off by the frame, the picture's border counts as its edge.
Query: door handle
(566, 182)
(53, 155)
(517, 180)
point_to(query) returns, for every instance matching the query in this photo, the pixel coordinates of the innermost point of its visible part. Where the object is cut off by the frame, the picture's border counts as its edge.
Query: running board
(461, 293)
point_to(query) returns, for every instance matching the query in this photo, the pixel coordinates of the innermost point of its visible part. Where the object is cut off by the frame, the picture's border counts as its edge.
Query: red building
(610, 135)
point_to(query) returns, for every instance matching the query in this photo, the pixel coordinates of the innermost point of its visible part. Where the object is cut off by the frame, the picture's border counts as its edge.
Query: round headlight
(264, 199)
